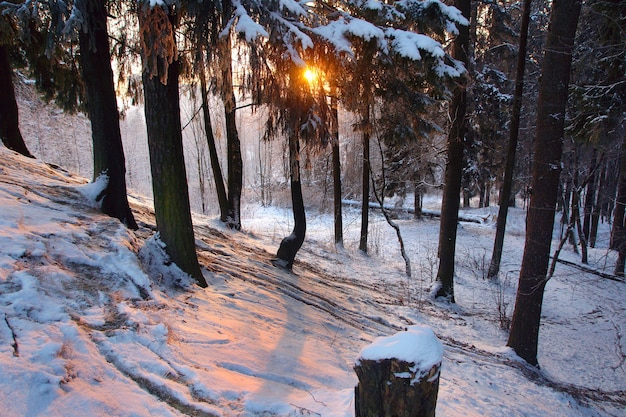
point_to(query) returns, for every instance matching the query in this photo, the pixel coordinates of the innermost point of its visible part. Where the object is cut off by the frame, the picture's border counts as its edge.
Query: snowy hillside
(94, 323)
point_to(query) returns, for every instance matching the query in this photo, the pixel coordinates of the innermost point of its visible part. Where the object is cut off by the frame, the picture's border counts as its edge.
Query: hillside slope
(95, 321)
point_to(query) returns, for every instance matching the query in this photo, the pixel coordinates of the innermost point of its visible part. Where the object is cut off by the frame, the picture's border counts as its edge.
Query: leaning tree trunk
(576, 215)
(454, 168)
(222, 198)
(9, 118)
(290, 245)
(165, 142)
(507, 184)
(108, 153)
(524, 334)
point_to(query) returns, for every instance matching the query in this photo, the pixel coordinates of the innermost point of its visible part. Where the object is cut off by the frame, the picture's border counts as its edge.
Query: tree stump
(399, 375)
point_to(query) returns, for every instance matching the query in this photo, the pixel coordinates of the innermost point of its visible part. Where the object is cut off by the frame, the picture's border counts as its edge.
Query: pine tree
(335, 30)
(162, 109)
(524, 334)
(507, 182)
(108, 154)
(48, 40)
(598, 100)
(454, 168)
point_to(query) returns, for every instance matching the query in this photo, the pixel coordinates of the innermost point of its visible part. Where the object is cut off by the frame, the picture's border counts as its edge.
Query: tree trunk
(162, 110)
(621, 262)
(235, 165)
(481, 195)
(233, 144)
(595, 213)
(395, 380)
(222, 198)
(365, 199)
(454, 167)
(9, 118)
(618, 231)
(290, 245)
(466, 198)
(509, 169)
(590, 196)
(336, 172)
(108, 153)
(487, 194)
(386, 389)
(417, 201)
(576, 214)
(524, 334)
(611, 182)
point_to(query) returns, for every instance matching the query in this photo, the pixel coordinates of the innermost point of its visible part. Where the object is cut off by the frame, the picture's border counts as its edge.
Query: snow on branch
(246, 25)
(408, 44)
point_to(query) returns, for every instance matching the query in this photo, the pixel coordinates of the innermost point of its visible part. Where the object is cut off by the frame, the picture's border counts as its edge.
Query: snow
(94, 189)
(408, 44)
(293, 6)
(95, 321)
(451, 12)
(333, 32)
(246, 26)
(417, 345)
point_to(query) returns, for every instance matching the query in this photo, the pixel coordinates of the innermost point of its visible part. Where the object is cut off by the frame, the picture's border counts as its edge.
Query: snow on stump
(399, 375)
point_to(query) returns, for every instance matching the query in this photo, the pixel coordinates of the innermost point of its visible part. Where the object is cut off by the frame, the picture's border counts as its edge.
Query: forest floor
(95, 321)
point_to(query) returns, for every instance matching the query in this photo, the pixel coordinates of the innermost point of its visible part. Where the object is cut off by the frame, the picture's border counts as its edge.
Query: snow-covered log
(478, 218)
(399, 375)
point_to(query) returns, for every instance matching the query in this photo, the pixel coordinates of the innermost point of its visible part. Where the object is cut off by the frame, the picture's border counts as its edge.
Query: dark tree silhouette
(222, 197)
(454, 167)
(507, 183)
(553, 92)
(9, 117)
(338, 217)
(108, 154)
(162, 109)
(291, 244)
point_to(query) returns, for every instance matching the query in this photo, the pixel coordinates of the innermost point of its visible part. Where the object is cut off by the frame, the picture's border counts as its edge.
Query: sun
(310, 75)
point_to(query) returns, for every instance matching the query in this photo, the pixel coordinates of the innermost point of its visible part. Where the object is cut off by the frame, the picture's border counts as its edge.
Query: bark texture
(389, 388)
(108, 153)
(167, 164)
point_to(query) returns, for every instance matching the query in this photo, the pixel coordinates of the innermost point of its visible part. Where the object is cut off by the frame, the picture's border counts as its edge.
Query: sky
(95, 321)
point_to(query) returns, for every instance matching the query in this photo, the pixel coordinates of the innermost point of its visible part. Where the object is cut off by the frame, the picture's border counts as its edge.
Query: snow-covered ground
(92, 322)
